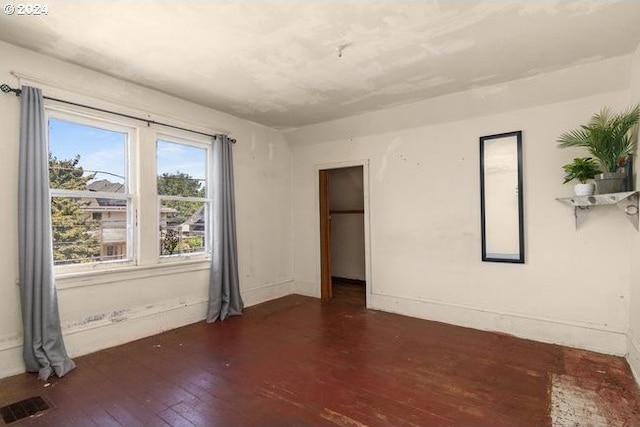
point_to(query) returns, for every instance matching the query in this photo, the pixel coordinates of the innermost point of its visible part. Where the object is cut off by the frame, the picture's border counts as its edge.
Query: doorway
(343, 234)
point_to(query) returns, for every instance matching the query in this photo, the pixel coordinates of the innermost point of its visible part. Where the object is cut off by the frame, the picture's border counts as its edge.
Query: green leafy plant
(75, 238)
(608, 137)
(169, 241)
(581, 169)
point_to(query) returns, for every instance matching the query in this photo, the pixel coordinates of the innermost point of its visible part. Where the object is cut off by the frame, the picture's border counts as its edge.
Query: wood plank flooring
(298, 362)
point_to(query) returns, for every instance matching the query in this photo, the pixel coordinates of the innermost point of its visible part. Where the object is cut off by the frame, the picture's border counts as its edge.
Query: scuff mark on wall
(95, 318)
(413, 84)
(450, 47)
(118, 316)
(483, 78)
(588, 7)
(587, 60)
(550, 7)
(484, 92)
(391, 148)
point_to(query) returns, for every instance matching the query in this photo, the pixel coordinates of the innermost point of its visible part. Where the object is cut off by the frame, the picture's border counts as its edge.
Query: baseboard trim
(552, 331)
(633, 356)
(119, 327)
(309, 289)
(102, 331)
(107, 330)
(123, 326)
(11, 360)
(267, 292)
(10, 341)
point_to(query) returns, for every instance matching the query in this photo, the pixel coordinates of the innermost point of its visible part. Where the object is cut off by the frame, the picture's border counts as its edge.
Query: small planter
(584, 189)
(610, 182)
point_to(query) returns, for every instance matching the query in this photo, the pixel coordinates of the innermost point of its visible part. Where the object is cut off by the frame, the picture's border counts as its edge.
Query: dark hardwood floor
(350, 292)
(298, 362)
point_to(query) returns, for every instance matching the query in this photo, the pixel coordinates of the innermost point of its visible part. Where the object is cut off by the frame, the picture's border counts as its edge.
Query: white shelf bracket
(627, 202)
(629, 206)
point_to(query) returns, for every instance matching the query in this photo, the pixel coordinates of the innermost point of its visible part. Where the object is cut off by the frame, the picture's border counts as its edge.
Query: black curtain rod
(6, 89)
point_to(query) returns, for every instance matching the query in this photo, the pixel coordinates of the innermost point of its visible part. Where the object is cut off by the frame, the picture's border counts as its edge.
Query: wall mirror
(501, 197)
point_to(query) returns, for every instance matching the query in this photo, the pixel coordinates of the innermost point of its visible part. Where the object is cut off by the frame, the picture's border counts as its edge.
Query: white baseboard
(11, 357)
(633, 356)
(267, 292)
(309, 289)
(128, 325)
(102, 331)
(571, 334)
(107, 330)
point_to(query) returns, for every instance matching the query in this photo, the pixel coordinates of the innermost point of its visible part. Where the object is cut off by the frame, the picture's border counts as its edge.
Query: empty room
(320, 213)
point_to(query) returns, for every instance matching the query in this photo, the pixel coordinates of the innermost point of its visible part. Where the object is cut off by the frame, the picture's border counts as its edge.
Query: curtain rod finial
(6, 89)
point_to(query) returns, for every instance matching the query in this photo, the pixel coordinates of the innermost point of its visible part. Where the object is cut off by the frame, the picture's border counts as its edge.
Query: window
(184, 202)
(108, 212)
(89, 176)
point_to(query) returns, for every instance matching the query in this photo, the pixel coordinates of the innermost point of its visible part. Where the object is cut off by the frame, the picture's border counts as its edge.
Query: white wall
(425, 218)
(633, 341)
(347, 229)
(106, 309)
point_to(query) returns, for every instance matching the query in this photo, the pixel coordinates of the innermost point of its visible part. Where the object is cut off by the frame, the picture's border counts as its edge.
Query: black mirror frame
(520, 259)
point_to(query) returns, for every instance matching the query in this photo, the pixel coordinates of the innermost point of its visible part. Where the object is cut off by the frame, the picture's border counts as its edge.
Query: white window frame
(201, 143)
(81, 117)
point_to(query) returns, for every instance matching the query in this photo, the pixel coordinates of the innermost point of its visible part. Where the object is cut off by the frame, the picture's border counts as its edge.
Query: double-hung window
(91, 190)
(184, 200)
(101, 173)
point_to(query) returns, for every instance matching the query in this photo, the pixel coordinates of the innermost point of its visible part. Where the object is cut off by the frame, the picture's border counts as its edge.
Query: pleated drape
(224, 288)
(43, 351)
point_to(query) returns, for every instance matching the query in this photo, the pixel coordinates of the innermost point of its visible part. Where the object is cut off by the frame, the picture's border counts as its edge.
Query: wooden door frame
(324, 230)
(326, 291)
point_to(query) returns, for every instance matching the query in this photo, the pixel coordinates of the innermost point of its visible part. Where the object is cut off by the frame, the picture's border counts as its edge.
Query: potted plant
(608, 138)
(581, 169)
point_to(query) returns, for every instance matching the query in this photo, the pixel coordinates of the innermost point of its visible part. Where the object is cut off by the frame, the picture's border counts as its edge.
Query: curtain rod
(6, 89)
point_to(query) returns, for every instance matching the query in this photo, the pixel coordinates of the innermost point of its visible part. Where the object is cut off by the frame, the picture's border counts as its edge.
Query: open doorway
(342, 234)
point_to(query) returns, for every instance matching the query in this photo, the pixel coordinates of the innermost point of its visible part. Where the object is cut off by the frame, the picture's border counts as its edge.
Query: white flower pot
(584, 189)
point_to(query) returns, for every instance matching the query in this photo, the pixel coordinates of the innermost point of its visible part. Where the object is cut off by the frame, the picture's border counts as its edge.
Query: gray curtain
(43, 348)
(224, 287)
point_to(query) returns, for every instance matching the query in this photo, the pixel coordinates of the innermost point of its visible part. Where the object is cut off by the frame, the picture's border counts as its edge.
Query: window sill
(104, 276)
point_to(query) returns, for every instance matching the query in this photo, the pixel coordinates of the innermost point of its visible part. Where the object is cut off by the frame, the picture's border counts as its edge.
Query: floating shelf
(627, 202)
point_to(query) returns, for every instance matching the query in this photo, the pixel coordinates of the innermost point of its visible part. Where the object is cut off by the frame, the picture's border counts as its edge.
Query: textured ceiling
(278, 62)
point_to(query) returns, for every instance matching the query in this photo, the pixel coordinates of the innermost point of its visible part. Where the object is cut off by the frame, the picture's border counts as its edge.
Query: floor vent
(23, 409)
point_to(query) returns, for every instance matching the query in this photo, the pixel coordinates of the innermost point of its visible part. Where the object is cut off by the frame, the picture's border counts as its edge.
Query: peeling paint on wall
(117, 316)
